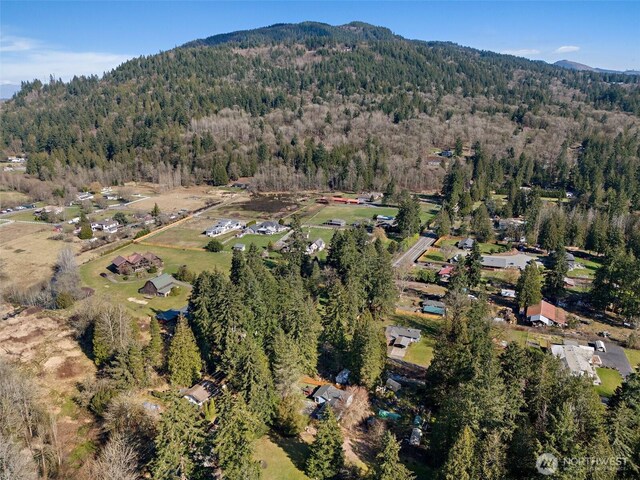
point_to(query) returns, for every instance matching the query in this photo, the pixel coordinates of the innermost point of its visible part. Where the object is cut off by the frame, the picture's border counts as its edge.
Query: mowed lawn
(421, 352)
(633, 356)
(180, 237)
(260, 241)
(349, 213)
(122, 290)
(610, 378)
(589, 269)
(277, 459)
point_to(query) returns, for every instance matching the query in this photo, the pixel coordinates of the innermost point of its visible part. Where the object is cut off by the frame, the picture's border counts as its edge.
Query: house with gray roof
(401, 337)
(332, 396)
(160, 286)
(517, 260)
(265, 228)
(466, 244)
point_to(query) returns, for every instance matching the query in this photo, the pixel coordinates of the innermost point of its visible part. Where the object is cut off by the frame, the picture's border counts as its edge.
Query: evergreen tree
(250, 376)
(155, 211)
(388, 465)
(233, 440)
(461, 462)
(369, 351)
(408, 217)
(85, 232)
(473, 265)
(153, 352)
(481, 224)
(179, 442)
(382, 291)
(183, 361)
(529, 286)
(458, 148)
(554, 280)
(443, 223)
(327, 456)
(127, 368)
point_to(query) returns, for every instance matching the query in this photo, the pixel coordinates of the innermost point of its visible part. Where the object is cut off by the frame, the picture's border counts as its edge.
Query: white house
(107, 226)
(82, 196)
(579, 359)
(316, 247)
(266, 228)
(224, 225)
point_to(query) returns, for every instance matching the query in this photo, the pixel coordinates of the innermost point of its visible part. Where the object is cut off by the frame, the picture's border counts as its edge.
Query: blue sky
(67, 38)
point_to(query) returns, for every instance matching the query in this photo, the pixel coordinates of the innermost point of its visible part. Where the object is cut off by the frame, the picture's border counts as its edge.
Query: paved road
(415, 252)
(614, 357)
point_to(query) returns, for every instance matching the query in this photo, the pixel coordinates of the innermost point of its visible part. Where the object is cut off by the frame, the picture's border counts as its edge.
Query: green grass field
(180, 237)
(122, 290)
(633, 356)
(281, 458)
(349, 213)
(589, 270)
(258, 240)
(610, 379)
(432, 256)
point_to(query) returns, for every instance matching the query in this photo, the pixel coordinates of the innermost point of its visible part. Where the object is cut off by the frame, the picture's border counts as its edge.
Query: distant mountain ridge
(581, 67)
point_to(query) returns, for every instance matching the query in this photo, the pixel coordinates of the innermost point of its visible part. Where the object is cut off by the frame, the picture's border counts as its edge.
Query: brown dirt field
(190, 198)
(45, 345)
(29, 253)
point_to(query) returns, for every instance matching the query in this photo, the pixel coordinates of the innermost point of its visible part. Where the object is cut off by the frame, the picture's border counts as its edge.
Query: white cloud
(567, 49)
(522, 52)
(27, 59)
(9, 43)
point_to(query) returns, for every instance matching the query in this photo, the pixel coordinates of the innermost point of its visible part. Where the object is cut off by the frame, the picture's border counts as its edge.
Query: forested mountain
(312, 105)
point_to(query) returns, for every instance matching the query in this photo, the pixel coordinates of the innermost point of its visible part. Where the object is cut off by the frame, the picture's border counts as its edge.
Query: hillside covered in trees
(313, 106)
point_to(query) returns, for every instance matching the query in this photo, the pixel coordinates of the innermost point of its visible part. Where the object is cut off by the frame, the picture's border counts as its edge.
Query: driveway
(614, 357)
(415, 252)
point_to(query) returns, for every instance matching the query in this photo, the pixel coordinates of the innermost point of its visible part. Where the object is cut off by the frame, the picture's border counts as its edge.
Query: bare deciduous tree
(15, 463)
(117, 460)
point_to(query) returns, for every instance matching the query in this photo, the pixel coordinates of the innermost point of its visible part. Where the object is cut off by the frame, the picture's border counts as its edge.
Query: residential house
(223, 226)
(199, 393)
(240, 247)
(16, 159)
(316, 246)
(265, 228)
(336, 222)
(82, 196)
(328, 394)
(546, 314)
(160, 286)
(571, 261)
(445, 272)
(49, 209)
(433, 307)
(135, 262)
(446, 153)
(466, 244)
(579, 359)
(107, 226)
(508, 260)
(400, 336)
(513, 223)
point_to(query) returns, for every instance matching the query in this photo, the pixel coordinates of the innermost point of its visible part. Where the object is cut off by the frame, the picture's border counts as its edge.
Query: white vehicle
(600, 346)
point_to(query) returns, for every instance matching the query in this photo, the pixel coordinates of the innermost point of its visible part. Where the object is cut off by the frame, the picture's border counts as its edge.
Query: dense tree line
(167, 110)
(496, 413)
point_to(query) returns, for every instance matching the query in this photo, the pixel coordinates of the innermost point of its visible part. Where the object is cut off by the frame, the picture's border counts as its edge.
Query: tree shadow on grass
(297, 450)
